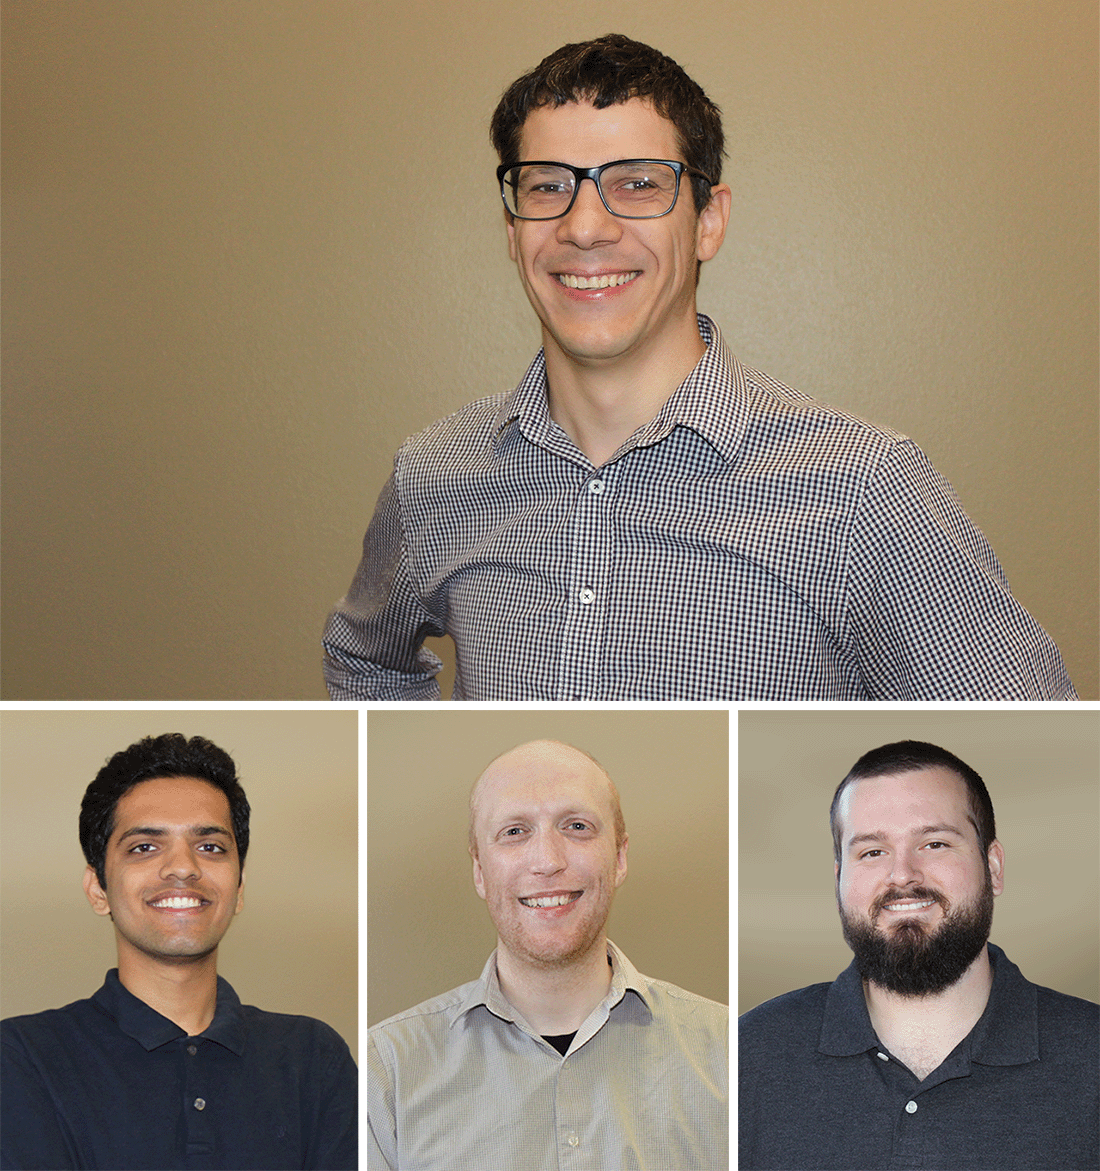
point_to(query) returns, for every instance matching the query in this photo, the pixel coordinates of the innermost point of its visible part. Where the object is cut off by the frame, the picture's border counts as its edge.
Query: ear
(710, 230)
(620, 861)
(997, 867)
(510, 224)
(240, 896)
(479, 878)
(96, 895)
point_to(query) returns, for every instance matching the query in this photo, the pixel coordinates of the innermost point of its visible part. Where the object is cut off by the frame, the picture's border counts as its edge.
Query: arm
(33, 1134)
(381, 1114)
(374, 637)
(931, 615)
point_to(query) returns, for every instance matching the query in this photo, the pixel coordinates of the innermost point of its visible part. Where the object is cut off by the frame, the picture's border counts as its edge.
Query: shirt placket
(917, 1130)
(591, 552)
(574, 1137)
(197, 1116)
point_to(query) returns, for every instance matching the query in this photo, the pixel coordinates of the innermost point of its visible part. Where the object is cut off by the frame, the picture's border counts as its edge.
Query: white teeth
(548, 901)
(178, 904)
(909, 906)
(606, 281)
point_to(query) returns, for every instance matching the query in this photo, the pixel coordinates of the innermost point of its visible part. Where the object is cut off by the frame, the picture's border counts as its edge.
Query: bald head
(542, 765)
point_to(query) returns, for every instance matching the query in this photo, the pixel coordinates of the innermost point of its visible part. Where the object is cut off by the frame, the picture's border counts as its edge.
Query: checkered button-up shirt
(746, 543)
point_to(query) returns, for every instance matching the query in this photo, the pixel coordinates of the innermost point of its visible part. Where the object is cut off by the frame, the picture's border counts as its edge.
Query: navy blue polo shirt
(818, 1091)
(110, 1083)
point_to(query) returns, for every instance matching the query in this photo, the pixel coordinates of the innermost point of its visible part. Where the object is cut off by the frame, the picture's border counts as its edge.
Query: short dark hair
(154, 758)
(607, 72)
(907, 756)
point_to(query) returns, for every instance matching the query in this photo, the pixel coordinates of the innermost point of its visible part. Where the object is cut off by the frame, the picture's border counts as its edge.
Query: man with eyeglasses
(643, 517)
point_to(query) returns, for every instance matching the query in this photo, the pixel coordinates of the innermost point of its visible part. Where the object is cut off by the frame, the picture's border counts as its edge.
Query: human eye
(212, 847)
(142, 848)
(872, 853)
(936, 845)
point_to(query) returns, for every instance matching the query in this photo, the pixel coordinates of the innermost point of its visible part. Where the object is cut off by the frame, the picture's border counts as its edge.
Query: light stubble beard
(912, 960)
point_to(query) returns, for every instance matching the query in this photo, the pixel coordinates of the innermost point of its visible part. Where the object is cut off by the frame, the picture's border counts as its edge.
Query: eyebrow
(882, 836)
(155, 831)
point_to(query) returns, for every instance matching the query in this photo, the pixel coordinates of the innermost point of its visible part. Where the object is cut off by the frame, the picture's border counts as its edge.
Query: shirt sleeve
(931, 615)
(381, 1114)
(32, 1134)
(374, 637)
(335, 1145)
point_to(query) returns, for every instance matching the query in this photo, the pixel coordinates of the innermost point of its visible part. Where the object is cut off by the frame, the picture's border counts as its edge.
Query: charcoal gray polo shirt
(818, 1090)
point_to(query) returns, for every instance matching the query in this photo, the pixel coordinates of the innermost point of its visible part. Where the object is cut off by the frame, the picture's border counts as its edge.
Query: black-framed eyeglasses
(634, 189)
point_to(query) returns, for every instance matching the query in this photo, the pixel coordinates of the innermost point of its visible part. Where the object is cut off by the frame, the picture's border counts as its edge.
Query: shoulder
(288, 1034)
(414, 1025)
(471, 427)
(29, 1029)
(1068, 1017)
(785, 1018)
(687, 1008)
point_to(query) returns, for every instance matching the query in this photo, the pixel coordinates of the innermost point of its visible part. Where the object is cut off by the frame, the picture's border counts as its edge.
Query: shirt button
(595, 487)
(910, 1107)
(587, 596)
(200, 1103)
(573, 1140)
(882, 1057)
(192, 1049)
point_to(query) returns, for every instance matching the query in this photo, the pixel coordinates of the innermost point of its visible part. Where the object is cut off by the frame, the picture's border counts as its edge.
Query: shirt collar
(485, 991)
(1007, 1032)
(712, 401)
(151, 1030)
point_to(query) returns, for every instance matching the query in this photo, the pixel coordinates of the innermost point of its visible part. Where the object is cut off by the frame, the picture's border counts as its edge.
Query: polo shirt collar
(485, 991)
(151, 1030)
(1007, 1032)
(712, 401)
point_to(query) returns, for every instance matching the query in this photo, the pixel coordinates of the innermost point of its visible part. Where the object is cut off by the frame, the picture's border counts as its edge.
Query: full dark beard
(912, 961)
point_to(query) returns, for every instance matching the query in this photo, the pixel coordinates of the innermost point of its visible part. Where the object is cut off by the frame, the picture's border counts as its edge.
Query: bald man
(561, 1054)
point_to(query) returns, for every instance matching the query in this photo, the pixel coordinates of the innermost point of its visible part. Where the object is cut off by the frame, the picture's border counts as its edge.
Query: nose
(180, 862)
(588, 223)
(548, 855)
(905, 870)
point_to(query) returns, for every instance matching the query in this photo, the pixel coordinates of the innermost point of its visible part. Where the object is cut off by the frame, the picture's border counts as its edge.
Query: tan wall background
(428, 929)
(294, 946)
(228, 295)
(1041, 769)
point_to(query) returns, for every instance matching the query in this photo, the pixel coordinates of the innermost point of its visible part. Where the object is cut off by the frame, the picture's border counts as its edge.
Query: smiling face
(606, 288)
(547, 863)
(915, 890)
(173, 875)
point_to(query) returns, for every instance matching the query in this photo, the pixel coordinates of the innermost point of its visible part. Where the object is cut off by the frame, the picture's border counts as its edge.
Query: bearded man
(561, 1054)
(930, 1050)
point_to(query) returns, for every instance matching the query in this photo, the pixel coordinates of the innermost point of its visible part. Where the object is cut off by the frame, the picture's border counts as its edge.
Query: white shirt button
(882, 1057)
(587, 596)
(910, 1107)
(595, 487)
(200, 1103)
(573, 1140)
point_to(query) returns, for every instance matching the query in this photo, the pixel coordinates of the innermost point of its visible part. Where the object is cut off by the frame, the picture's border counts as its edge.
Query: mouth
(178, 903)
(604, 280)
(549, 901)
(909, 906)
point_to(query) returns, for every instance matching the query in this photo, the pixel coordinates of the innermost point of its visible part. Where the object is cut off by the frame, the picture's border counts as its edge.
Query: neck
(935, 1023)
(184, 991)
(554, 1001)
(601, 402)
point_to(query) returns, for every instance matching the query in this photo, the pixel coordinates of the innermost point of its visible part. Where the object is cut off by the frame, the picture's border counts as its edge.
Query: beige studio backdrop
(249, 247)
(294, 946)
(1042, 770)
(428, 929)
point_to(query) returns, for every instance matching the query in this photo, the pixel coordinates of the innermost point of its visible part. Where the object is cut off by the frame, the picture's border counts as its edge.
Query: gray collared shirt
(818, 1089)
(463, 1083)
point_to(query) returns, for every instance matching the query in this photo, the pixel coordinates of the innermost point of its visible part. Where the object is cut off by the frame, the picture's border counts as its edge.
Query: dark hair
(606, 72)
(909, 756)
(153, 758)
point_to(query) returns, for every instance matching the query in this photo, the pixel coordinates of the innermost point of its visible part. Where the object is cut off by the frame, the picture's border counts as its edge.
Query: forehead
(579, 134)
(903, 802)
(171, 801)
(540, 778)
